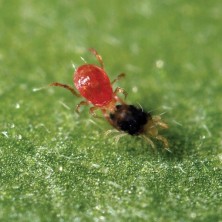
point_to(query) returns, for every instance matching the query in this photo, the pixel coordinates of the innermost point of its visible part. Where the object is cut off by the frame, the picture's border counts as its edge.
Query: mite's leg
(98, 57)
(70, 88)
(121, 134)
(164, 141)
(157, 120)
(110, 132)
(82, 103)
(149, 141)
(92, 112)
(119, 77)
(120, 90)
(116, 137)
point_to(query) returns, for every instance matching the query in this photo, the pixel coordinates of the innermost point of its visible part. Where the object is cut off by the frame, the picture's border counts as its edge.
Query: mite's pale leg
(149, 141)
(117, 138)
(70, 88)
(120, 90)
(82, 103)
(159, 122)
(164, 141)
(119, 77)
(110, 132)
(98, 57)
(92, 112)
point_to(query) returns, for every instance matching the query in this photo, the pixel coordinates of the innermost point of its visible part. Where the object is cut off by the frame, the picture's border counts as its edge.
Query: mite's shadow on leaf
(181, 140)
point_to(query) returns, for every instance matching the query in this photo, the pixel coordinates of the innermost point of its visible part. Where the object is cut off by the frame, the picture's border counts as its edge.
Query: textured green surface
(58, 166)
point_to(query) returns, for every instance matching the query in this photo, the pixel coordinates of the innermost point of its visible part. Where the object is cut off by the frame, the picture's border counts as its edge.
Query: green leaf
(56, 165)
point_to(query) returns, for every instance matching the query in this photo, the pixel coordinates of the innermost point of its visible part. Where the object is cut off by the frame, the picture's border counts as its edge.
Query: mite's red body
(94, 85)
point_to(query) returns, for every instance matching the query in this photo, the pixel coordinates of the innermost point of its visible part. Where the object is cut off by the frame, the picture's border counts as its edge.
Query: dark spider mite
(136, 122)
(94, 85)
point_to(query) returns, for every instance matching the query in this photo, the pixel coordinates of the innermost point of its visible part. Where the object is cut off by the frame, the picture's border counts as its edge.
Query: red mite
(93, 84)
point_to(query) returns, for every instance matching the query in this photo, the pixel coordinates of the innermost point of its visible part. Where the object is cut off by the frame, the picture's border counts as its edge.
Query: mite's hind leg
(112, 131)
(98, 57)
(119, 77)
(70, 88)
(149, 141)
(164, 141)
(117, 138)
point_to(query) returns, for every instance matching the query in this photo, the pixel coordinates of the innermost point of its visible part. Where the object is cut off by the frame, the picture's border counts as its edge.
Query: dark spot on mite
(130, 119)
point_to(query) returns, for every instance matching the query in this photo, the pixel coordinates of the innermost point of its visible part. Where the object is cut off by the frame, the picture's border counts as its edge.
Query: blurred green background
(56, 165)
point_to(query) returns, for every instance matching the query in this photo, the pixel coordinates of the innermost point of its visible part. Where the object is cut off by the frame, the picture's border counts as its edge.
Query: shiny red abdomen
(93, 83)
